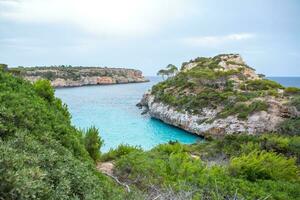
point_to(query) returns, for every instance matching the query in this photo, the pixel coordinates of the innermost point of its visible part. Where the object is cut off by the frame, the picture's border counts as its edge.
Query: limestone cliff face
(80, 76)
(207, 122)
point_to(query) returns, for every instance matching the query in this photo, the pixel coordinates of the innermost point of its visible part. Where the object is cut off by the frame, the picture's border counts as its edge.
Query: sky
(150, 34)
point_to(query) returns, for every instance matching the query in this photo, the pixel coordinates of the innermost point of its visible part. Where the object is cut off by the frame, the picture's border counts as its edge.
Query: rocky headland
(222, 95)
(67, 76)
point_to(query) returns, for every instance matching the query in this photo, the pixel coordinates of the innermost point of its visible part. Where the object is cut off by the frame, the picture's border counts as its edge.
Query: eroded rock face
(208, 124)
(105, 80)
(80, 76)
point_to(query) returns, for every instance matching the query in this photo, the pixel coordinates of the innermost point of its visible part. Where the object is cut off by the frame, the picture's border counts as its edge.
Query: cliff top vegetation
(224, 82)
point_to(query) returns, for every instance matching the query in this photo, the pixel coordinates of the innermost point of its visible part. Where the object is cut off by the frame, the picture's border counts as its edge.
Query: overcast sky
(149, 34)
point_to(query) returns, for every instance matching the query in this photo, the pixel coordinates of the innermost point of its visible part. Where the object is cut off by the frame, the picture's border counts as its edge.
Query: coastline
(103, 84)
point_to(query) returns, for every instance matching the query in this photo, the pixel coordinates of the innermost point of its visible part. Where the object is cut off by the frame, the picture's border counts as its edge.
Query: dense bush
(121, 150)
(290, 127)
(93, 142)
(292, 90)
(42, 156)
(295, 102)
(44, 89)
(261, 84)
(3, 67)
(243, 110)
(263, 165)
(43, 169)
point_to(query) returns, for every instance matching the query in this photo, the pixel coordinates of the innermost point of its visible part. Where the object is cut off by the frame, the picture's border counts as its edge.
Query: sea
(112, 109)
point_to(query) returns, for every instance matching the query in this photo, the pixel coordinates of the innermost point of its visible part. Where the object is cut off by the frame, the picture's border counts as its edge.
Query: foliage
(237, 166)
(3, 67)
(121, 150)
(292, 90)
(43, 169)
(170, 70)
(44, 89)
(243, 110)
(261, 84)
(93, 142)
(290, 127)
(263, 165)
(42, 156)
(295, 101)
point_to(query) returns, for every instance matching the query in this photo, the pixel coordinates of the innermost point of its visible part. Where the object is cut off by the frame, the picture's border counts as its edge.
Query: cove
(111, 108)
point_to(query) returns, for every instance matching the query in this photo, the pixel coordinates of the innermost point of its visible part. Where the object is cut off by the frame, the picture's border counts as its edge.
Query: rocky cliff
(80, 76)
(221, 95)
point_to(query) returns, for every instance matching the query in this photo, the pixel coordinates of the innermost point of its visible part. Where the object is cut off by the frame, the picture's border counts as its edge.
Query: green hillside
(42, 156)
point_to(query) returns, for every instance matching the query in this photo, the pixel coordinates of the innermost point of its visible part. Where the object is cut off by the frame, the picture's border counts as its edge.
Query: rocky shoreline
(208, 122)
(81, 76)
(208, 125)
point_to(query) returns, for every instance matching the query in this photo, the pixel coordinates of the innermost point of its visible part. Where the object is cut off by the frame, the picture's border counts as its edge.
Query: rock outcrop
(170, 101)
(80, 76)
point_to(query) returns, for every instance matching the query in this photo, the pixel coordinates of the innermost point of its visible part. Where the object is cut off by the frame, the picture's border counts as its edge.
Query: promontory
(68, 76)
(222, 95)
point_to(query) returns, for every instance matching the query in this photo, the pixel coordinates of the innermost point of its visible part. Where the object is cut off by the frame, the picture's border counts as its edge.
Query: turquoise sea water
(112, 109)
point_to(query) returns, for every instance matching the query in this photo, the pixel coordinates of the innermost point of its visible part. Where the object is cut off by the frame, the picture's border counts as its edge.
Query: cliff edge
(221, 95)
(63, 76)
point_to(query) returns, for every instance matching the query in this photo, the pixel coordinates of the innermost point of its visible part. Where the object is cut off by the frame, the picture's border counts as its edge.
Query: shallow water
(112, 109)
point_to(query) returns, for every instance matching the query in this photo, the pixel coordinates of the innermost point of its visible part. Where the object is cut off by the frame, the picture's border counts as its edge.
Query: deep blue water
(112, 109)
(287, 81)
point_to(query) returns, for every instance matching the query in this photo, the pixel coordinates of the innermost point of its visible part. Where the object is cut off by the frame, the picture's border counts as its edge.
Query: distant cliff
(222, 95)
(64, 76)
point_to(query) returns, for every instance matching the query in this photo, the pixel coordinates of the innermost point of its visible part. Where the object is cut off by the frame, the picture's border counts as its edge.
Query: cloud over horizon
(99, 17)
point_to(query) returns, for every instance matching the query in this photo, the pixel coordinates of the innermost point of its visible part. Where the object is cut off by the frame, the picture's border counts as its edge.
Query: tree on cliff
(170, 71)
(162, 73)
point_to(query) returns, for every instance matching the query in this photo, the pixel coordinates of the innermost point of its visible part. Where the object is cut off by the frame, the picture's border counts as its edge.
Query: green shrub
(295, 101)
(243, 110)
(292, 90)
(3, 67)
(44, 89)
(290, 127)
(121, 150)
(294, 147)
(93, 142)
(261, 84)
(263, 165)
(171, 147)
(33, 169)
